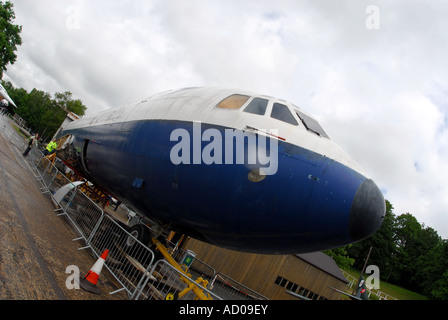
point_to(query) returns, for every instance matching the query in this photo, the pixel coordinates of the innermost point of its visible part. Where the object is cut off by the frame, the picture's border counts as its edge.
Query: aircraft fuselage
(249, 181)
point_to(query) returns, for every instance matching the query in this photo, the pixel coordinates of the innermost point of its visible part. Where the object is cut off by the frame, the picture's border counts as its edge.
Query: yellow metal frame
(200, 294)
(52, 157)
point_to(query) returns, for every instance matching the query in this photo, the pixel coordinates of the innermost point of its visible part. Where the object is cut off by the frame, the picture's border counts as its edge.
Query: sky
(374, 73)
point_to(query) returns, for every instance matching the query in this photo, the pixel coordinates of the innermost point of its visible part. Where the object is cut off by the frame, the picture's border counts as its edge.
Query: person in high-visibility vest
(51, 147)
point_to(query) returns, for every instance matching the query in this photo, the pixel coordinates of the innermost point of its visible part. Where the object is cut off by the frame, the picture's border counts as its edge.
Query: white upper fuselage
(4, 95)
(201, 105)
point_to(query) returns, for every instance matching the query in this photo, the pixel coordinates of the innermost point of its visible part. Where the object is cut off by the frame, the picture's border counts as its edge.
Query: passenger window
(282, 113)
(257, 106)
(235, 101)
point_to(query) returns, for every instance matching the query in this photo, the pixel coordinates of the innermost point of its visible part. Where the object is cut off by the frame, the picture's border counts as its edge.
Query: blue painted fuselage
(307, 205)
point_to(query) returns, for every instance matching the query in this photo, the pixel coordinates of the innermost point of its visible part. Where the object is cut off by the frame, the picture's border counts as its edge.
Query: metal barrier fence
(221, 284)
(128, 259)
(230, 289)
(81, 211)
(197, 268)
(380, 295)
(167, 283)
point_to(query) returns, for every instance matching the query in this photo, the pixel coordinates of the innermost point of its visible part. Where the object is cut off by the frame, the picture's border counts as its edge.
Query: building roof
(323, 262)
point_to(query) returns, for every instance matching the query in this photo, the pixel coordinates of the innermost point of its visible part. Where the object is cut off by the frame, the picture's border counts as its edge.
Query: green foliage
(9, 36)
(65, 100)
(440, 290)
(341, 258)
(407, 253)
(42, 113)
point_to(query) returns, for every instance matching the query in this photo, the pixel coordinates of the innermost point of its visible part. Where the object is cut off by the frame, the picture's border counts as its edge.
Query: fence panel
(198, 268)
(167, 283)
(129, 260)
(82, 212)
(43, 167)
(231, 289)
(379, 294)
(33, 158)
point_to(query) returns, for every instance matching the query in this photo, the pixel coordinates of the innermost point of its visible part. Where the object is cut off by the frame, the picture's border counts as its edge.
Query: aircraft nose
(367, 211)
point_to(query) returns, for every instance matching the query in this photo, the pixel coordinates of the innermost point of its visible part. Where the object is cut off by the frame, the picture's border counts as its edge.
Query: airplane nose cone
(367, 212)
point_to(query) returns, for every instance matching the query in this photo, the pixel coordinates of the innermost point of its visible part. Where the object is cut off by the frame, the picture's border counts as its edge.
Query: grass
(19, 131)
(391, 289)
(400, 293)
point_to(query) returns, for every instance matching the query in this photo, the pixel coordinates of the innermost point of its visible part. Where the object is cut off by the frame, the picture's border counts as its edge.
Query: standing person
(32, 142)
(51, 147)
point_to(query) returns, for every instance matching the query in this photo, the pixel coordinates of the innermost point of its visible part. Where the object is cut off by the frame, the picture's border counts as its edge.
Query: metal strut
(200, 294)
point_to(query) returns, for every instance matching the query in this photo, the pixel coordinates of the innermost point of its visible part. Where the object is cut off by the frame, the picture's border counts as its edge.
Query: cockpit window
(311, 124)
(257, 106)
(282, 113)
(235, 101)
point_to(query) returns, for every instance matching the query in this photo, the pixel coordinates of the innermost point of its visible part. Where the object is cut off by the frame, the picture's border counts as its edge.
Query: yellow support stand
(190, 285)
(52, 157)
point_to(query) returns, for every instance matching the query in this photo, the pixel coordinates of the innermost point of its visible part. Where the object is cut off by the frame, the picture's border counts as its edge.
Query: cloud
(381, 94)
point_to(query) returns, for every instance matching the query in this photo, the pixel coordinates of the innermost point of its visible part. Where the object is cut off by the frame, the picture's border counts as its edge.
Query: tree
(42, 113)
(341, 257)
(9, 36)
(65, 100)
(407, 253)
(432, 272)
(407, 235)
(437, 287)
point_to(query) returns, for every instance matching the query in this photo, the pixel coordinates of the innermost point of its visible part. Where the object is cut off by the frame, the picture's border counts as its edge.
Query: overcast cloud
(381, 93)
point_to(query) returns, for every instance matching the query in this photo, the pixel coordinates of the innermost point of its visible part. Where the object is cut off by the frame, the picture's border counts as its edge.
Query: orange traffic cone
(88, 283)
